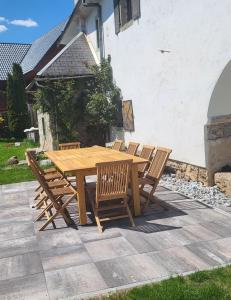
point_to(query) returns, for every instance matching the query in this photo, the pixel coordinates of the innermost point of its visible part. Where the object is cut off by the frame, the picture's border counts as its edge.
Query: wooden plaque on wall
(128, 117)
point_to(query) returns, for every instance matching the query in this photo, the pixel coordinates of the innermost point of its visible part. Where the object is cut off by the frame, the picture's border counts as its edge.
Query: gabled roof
(40, 47)
(72, 61)
(11, 53)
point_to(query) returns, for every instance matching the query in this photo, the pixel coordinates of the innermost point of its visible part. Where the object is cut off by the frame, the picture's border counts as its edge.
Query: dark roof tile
(72, 60)
(11, 53)
(40, 47)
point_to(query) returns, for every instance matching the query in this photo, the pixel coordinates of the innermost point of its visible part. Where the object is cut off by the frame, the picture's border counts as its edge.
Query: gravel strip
(195, 190)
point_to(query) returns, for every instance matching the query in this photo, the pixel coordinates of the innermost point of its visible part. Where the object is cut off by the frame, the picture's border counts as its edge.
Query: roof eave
(63, 77)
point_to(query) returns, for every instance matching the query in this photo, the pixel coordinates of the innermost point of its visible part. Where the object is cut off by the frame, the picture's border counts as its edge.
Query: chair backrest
(146, 153)
(117, 145)
(158, 163)
(75, 145)
(40, 179)
(112, 180)
(132, 148)
(32, 160)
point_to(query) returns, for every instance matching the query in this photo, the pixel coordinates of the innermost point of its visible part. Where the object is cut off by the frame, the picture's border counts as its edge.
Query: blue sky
(23, 21)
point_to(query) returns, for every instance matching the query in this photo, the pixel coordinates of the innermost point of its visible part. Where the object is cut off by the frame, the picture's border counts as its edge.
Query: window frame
(125, 13)
(97, 26)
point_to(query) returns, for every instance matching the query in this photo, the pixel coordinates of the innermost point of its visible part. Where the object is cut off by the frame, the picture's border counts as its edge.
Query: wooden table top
(86, 158)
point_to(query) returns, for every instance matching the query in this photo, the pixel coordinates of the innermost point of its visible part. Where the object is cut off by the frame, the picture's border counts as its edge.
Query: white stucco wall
(171, 91)
(46, 141)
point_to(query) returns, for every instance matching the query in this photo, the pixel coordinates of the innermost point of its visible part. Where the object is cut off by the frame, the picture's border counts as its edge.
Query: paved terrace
(176, 236)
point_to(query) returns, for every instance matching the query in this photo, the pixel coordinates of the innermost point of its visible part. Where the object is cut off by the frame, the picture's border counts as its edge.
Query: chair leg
(37, 196)
(49, 213)
(59, 211)
(40, 203)
(39, 217)
(97, 219)
(149, 199)
(37, 188)
(129, 214)
(100, 227)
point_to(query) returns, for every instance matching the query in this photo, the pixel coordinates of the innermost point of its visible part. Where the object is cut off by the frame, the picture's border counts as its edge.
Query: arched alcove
(218, 127)
(220, 102)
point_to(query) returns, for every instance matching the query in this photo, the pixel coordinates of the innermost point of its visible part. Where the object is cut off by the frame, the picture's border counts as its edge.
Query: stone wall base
(223, 181)
(187, 171)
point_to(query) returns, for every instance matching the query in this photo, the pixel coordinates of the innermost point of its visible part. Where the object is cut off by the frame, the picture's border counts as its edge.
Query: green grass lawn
(15, 173)
(206, 285)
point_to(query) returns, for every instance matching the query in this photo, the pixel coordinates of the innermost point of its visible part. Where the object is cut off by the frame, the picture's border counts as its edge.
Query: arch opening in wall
(218, 127)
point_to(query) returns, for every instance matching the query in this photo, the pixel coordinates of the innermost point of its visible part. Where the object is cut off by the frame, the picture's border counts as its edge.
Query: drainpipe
(99, 7)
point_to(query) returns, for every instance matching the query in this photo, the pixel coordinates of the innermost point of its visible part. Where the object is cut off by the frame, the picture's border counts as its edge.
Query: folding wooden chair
(146, 153)
(66, 146)
(155, 172)
(111, 200)
(117, 145)
(132, 148)
(51, 175)
(55, 197)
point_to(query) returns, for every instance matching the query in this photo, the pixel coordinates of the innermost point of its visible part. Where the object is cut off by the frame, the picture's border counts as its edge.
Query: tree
(18, 117)
(104, 108)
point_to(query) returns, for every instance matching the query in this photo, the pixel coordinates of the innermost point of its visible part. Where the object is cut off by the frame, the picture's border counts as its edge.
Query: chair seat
(145, 180)
(62, 191)
(57, 183)
(50, 170)
(52, 176)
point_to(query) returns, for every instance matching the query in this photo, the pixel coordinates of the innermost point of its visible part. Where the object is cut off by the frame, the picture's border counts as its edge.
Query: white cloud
(27, 23)
(3, 28)
(2, 19)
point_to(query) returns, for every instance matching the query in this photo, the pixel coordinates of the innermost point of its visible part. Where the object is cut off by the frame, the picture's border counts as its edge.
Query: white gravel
(195, 190)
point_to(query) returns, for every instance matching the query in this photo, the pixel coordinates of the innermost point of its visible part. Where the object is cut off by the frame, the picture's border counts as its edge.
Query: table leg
(135, 190)
(81, 198)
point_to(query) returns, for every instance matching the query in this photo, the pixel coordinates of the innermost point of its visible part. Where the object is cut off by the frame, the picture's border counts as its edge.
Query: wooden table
(81, 163)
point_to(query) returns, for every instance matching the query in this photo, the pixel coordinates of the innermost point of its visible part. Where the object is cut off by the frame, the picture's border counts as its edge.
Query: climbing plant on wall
(63, 101)
(93, 102)
(104, 107)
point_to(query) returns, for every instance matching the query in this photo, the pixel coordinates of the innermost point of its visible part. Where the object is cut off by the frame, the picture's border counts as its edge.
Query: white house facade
(172, 61)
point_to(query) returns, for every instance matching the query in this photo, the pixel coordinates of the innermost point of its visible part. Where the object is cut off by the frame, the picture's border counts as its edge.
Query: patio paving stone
(18, 246)
(58, 238)
(13, 231)
(178, 221)
(206, 215)
(70, 282)
(130, 269)
(24, 288)
(18, 187)
(214, 252)
(16, 215)
(109, 248)
(179, 260)
(148, 242)
(59, 258)
(218, 227)
(93, 235)
(14, 200)
(171, 196)
(20, 265)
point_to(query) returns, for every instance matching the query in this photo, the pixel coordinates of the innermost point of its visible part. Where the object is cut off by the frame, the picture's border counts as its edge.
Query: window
(129, 9)
(97, 32)
(124, 12)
